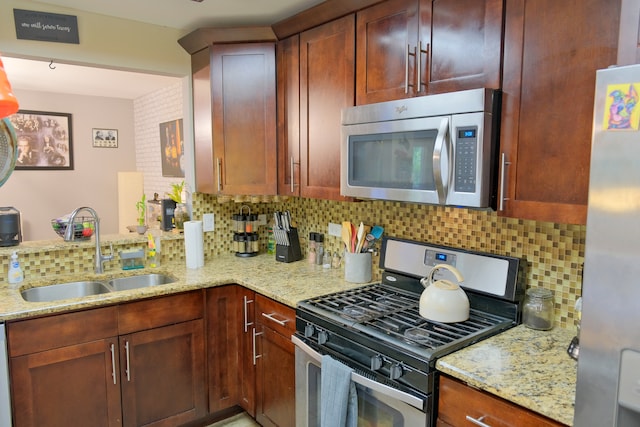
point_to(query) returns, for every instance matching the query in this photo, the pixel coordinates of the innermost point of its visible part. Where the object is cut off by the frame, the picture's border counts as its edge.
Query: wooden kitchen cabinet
(224, 358)
(64, 370)
(458, 403)
(416, 47)
(244, 117)
(234, 94)
(327, 75)
(136, 364)
(551, 52)
(275, 364)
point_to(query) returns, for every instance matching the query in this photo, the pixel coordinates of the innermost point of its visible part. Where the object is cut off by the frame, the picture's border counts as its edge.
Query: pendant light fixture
(8, 101)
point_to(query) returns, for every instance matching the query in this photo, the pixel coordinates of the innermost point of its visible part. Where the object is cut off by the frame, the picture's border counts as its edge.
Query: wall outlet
(335, 229)
(262, 219)
(207, 222)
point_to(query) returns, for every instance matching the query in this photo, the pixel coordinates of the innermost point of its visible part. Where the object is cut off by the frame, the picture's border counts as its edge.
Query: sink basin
(87, 288)
(139, 281)
(64, 291)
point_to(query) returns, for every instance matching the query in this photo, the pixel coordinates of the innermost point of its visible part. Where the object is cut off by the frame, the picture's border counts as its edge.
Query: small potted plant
(141, 206)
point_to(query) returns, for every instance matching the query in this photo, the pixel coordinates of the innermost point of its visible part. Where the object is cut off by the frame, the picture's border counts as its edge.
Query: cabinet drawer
(61, 330)
(457, 401)
(275, 315)
(153, 313)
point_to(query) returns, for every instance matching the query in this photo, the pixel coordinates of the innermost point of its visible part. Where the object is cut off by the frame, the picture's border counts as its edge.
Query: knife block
(290, 252)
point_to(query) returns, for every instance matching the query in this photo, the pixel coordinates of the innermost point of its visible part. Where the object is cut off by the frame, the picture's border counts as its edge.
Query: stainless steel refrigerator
(608, 385)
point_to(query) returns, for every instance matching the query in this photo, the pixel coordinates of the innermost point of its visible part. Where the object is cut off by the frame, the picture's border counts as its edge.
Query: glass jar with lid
(538, 309)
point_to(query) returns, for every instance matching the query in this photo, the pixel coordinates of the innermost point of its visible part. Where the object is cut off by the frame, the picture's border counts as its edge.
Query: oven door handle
(407, 398)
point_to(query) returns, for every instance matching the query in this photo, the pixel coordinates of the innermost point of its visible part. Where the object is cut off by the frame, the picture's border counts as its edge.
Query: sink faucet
(69, 236)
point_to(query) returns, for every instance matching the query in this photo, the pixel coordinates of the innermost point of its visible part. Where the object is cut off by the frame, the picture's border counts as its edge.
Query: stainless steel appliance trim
(364, 381)
(442, 185)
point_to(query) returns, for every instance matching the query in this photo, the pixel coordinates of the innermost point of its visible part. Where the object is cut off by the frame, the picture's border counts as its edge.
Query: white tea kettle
(444, 301)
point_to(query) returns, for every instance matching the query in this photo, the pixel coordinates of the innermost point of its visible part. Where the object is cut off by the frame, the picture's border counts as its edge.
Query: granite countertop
(524, 366)
(287, 283)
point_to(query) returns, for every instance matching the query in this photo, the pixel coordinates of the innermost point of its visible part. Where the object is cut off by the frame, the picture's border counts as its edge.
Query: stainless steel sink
(80, 289)
(140, 281)
(64, 291)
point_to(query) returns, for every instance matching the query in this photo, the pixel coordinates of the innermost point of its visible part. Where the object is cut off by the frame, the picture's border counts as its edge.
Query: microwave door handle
(407, 398)
(442, 187)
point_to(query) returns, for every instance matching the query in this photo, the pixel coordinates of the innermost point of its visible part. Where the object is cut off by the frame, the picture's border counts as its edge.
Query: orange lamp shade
(8, 101)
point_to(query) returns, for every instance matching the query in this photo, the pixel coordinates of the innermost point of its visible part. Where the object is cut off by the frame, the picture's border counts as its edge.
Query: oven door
(378, 404)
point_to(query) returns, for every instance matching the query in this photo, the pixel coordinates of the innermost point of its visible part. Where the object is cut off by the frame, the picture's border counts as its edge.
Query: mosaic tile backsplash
(554, 253)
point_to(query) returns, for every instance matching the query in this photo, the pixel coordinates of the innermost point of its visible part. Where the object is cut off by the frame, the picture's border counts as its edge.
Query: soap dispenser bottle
(15, 272)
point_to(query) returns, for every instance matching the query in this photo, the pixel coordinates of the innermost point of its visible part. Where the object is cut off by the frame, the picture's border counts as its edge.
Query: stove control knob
(323, 337)
(395, 371)
(309, 329)
(376, 362)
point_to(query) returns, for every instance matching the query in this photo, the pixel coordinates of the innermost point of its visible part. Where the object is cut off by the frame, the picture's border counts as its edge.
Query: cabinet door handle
(113, 363)
(419, 53)
(407, 85)
(246, 313)
(503, 180)
(127, 368)
(271, 317)
(291, 174)
(219, 172)
(477, 421)
(406, 70)
(255, 356)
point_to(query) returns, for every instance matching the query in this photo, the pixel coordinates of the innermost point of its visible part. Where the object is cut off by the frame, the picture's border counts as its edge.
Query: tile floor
(240, 420)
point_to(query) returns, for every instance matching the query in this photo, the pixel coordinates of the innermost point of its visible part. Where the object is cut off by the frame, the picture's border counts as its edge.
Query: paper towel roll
(193, 244)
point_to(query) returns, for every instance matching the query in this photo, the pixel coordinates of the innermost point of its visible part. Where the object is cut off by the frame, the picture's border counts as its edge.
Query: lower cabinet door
(275, 382)
(163, 375)
(77, 385)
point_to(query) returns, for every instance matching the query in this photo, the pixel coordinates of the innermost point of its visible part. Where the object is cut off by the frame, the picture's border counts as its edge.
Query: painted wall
(43, 195)
(104, 41)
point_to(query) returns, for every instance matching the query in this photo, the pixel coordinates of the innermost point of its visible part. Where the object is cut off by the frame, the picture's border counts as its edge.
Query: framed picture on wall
(172, 148)
(44, 140)
(105, 138)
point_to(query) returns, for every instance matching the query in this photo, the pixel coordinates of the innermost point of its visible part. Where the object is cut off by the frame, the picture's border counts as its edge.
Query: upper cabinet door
(327, 74)
(412, 48)
(387, 39)
(465, 51)
(552, 52)
(244, 118)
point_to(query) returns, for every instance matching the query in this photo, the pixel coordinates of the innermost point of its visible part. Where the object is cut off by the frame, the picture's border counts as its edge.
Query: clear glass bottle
(180, 215)
(538, 310)
(319, 248)
(311, 250)
(271, 241)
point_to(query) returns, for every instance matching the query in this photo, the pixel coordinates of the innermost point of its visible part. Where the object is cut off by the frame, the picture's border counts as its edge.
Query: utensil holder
(289, 252)
(357, 267)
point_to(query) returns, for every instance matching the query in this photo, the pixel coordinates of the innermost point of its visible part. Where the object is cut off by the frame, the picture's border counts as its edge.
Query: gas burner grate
(366, 303)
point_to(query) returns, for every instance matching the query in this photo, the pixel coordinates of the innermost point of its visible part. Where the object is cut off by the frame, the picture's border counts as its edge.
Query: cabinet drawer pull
(255, 356)
(272, 318)
(127, 368)
(419, 82)
(477, 421)
(113, 363)
(246, 311)
(291, 173)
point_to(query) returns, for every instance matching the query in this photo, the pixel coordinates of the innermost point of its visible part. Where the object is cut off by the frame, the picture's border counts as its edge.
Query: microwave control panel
(466, 159)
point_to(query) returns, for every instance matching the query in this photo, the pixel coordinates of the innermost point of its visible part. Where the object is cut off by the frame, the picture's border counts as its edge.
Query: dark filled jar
(538, 310)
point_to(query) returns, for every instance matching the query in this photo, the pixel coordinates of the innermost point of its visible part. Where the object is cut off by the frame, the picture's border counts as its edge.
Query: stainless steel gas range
(378, 332)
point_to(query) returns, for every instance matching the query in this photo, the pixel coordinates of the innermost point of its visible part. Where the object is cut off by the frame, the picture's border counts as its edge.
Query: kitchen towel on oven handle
(338, 395)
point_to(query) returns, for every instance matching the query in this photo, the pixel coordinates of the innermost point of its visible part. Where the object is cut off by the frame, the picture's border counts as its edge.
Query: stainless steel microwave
(436, 149)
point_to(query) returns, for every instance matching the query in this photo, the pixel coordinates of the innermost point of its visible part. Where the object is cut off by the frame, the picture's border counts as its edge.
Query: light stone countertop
(527, 367)
(287, 283)
(524, 366)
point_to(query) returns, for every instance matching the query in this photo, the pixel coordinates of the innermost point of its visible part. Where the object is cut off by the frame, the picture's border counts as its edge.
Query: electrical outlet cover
(207, 222)
(334, 229)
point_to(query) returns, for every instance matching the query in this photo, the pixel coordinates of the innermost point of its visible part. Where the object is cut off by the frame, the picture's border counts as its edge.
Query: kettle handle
(426, 281)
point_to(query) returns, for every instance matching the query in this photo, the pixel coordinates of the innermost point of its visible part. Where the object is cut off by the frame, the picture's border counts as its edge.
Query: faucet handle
(110, 256)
